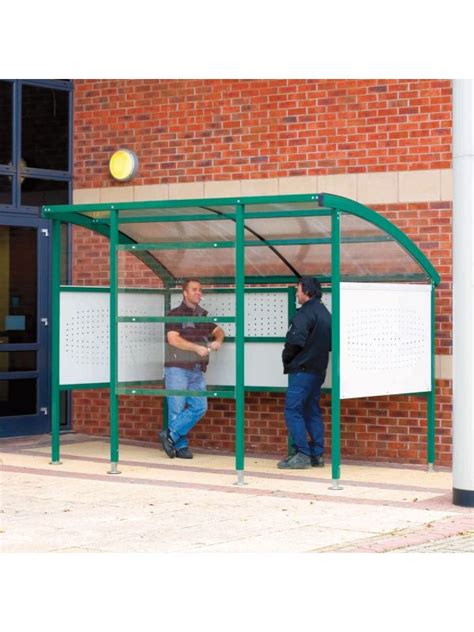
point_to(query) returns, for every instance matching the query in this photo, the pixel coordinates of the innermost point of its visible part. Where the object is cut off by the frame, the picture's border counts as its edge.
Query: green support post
(167, 307)
(55, 289)
(431, 396)
(335, 356)
(113, 337)
(291, 313)
(239, 343)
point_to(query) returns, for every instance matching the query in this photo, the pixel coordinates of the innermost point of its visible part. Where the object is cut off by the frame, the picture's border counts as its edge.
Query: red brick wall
(195, 130)
(187, 131)
(385, 429)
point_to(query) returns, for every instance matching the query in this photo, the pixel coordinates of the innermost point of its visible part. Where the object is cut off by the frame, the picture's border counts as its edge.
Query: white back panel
(263, 365)
(385, 339)
(84, 338)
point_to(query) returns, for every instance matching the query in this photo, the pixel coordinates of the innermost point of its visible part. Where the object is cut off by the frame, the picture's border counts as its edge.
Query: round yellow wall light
(123, 165)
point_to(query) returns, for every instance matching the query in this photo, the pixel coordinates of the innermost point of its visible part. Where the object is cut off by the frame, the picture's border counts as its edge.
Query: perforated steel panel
(385, 339)
(84, 338)
(266, 314)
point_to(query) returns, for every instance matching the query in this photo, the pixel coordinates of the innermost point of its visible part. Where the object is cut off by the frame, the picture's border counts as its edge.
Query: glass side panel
(5, 190)
(36, 192)
(18, 397)
(198, 262)
(6, 92)
(18, 285)
(17, 361)
(378, 259)
(45, 128)
(145, 349)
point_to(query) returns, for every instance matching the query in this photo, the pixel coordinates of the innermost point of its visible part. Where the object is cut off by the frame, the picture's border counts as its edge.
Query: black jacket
(308, 340)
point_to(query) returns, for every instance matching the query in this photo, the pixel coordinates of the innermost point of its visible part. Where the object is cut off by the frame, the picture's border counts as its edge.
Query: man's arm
(218, 335)
(176, 340)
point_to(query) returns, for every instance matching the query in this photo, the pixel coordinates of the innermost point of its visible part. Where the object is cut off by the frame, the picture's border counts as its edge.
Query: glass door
(24, 326)
(35, 169)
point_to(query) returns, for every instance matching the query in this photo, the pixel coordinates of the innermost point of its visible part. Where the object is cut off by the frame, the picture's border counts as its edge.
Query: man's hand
(215, 345)
(202, 352)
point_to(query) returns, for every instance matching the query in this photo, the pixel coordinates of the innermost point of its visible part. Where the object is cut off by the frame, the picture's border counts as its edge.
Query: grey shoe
(184, 453)
(317, 461)
(167, 443)
(298, 461)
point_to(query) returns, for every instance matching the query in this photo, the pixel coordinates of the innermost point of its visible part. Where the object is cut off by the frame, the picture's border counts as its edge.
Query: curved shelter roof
(285, 237)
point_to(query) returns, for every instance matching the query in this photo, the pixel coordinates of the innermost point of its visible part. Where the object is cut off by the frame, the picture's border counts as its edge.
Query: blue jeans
(184, 411)
(303, 414)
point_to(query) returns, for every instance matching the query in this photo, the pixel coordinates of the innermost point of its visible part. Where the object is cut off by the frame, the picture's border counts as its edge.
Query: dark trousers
(303, 414)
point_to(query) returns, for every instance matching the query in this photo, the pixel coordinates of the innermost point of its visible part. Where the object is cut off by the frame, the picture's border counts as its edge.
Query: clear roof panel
(164, 232)
(291, 227)
(367, 251)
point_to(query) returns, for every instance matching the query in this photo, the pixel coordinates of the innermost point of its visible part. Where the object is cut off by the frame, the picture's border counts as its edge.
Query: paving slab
(162, 505)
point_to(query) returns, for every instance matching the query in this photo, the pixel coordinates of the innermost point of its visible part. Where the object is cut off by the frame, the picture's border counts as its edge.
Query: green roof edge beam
(48, 211)
(355, 208)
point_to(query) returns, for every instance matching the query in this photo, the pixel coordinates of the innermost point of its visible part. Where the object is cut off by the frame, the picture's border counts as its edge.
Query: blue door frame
(40, 421)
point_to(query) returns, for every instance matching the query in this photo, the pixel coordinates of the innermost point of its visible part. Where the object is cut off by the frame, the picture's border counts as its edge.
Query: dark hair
(310, 286)
(186, 282)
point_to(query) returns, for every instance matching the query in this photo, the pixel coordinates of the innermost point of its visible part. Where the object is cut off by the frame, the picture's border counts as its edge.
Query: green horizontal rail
(147, 290)
(250, 243)
(176, 319)
(197, 217)
(177, 393)
(177, 245)
(259, 339)
(250, 389)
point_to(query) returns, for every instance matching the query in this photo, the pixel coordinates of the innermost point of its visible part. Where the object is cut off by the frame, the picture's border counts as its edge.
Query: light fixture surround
(123, 165)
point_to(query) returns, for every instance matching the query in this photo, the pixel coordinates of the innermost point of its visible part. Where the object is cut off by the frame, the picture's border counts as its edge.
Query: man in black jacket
(305, 358)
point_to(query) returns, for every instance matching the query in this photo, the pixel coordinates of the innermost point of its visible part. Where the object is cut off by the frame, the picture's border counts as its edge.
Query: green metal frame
(107, 221)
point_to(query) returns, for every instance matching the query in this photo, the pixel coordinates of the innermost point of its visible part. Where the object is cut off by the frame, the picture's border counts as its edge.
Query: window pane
(64, 253)
(17, 397)
(35, 192)
(17, 361)
(44, 127)
(6, 88)
(5, 190)
(18, 317)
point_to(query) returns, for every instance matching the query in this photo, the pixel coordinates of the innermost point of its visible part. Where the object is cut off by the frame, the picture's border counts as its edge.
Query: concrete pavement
(160, 505)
